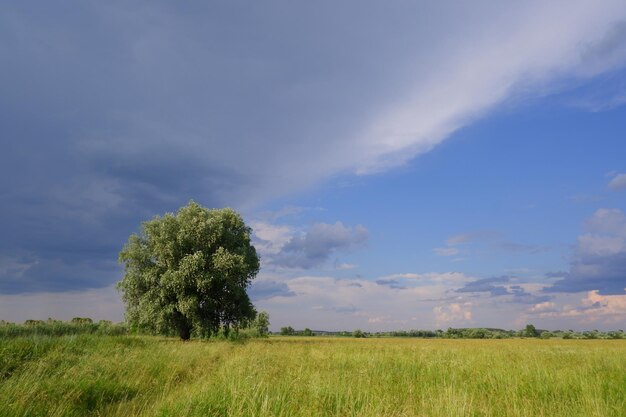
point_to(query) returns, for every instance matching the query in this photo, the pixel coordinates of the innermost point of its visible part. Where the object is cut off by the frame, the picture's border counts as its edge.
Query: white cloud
(451, 251)
(604, 220)
(460, 238)
(539, 307)
(344, 266)
(593, 308)
(453, 314)
(438, 277)
(619, 181)
(600, 245)
(270, 238)
(405, 275)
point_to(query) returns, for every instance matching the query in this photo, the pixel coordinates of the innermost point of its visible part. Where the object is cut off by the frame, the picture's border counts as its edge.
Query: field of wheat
(280, 376)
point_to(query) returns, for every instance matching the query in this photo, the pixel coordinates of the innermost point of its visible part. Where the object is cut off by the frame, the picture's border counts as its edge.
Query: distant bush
(287, 331)
(468, 333)
(358, 334)
(530, 331)
(591, 335)
(81, 320)
(60, 328)
(290, 331)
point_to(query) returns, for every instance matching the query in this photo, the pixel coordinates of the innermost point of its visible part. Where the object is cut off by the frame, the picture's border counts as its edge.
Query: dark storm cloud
(486, 285)
(605, 273)
(599, 260)
(261, 290)
(610, 47)
(112, 113)
(518, 293)
(391, 283)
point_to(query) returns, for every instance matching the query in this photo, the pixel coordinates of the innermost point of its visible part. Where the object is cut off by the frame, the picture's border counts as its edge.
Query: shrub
(358, 334)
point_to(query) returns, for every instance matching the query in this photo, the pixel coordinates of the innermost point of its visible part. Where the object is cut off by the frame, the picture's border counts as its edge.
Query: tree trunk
(184, 331)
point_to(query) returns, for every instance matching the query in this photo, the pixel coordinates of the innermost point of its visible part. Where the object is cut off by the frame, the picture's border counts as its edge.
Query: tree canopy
(188, 272)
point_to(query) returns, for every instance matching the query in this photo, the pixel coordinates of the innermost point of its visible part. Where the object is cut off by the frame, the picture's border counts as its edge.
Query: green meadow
(104, 375)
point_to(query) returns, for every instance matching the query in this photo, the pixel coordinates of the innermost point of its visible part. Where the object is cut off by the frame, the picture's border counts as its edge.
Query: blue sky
(403, 166)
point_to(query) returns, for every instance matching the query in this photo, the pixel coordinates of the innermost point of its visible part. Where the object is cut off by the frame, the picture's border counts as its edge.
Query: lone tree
(530, 331)
(189, 271)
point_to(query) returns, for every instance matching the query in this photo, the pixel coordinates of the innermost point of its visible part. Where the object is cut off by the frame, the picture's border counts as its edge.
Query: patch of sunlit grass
(148, 376)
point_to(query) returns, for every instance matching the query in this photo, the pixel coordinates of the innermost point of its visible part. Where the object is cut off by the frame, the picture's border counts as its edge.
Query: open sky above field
(402, 164)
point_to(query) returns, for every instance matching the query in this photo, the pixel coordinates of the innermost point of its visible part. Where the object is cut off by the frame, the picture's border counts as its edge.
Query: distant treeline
(465, 333)
(52, 327)
(290, 331)
(257, 328)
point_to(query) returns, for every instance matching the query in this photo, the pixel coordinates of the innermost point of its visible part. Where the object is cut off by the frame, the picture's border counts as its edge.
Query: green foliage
(359, 334)
(81, 320)
(290, 331)
(56, 328)
(188, 272)
(257, 328)
(414, 333)
(287, 331)
(471, 333)
(262, 324)
(591, 335)
(530, 331)
(475, 333)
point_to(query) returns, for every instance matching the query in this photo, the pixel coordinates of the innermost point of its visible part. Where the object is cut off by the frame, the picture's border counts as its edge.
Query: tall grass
(280, 376)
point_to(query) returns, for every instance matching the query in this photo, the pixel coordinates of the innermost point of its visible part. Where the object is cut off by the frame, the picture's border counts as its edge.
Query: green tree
(81, 320)
(530, 331)
(189, 271)
(358, 333)
(287, 331)
(262, 324)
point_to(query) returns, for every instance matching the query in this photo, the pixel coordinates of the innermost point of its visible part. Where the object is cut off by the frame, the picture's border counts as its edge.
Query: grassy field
(280, 376)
